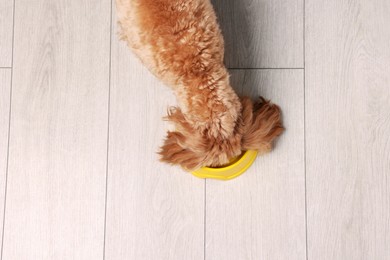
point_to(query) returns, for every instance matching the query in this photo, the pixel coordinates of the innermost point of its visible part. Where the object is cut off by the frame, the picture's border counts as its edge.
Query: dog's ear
(183, 146)
(262, 126)
(175, 151)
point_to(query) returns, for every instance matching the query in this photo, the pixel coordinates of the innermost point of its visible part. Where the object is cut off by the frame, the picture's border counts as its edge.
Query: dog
(181, 43)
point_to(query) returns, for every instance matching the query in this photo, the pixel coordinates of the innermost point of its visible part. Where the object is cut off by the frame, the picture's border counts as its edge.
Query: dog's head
(191, 146)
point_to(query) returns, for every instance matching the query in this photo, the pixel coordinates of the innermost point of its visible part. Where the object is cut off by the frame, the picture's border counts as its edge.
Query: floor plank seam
(304, 123)
(108, 135)
(9, 130)
(204, 231)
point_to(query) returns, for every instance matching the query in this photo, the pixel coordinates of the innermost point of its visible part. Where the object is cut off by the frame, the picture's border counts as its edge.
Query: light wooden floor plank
(58, 137)
(261, 214)
(154, 211)
(5, 87)
(262, 34)
(348, 129)
(6, 24)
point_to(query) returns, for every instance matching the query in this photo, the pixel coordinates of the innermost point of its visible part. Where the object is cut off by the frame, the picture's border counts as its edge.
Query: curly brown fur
(181, 43)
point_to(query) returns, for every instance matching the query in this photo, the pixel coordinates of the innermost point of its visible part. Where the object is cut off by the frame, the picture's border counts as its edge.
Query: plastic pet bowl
(234, 169)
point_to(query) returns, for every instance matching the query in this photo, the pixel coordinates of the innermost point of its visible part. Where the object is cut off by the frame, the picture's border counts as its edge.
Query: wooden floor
(80, 124)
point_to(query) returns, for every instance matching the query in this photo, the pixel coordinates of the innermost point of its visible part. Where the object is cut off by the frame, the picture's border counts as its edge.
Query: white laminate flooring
(55, 200)
(262, 33)
(6, 32)
(81, 122)
(5, 89)
(348, 129)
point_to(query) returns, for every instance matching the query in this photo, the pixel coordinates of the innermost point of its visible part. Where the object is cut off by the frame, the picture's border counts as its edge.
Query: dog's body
(181, 43)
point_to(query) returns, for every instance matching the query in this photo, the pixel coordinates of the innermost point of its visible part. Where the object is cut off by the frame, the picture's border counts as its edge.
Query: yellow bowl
(232, 170)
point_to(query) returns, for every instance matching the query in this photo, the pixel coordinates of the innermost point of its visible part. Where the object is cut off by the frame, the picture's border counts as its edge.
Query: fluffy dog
(181, 43)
